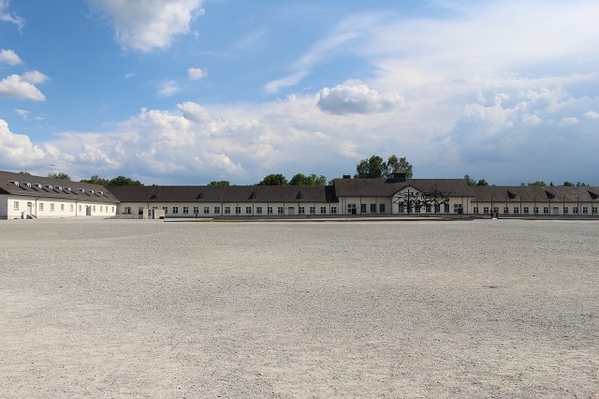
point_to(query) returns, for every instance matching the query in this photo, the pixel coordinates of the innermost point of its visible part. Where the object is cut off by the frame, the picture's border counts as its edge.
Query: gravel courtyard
(394, 309)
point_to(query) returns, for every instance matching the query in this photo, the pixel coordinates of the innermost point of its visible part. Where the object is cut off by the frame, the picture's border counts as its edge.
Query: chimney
(346, 176)
(399, 176)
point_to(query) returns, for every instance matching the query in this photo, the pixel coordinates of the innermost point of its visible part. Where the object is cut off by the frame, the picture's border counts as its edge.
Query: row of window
(259, 210)
(103, 208)
(535, 210)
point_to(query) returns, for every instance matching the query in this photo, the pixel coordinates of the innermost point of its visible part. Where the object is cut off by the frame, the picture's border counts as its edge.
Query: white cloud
(6, 17)
(275, 85)
(356, 99)
(148, 24)
(9, 57)
(592, 115)
(569, 121)
(23, 86)
(23, 113)
(17, 149)
(168, 88)
(196, 73)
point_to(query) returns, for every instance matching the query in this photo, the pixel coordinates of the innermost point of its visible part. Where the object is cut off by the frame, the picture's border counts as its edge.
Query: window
(372, 208)
(575, 209)
(496, 210)
(446, 208)
(93, 208)
(196, 210)
(80, 209)
(62, 207)
(585, 210)
(525, 210)
(113, 209)
(206, 210)
(351, 209)
(323, 209)
(312, 210)
(71, 207)
(237, 210)
(535, 210)
(382, 208)
(402, 208)
(516, 210)
(475, 209)
(417, 208)
(362, 208)
(334, 210)
(248, 210)
(302, 210)
(280, 210)
(269, 210)
(186, 209)
(217, 209)
(565, 210)
(41, 206)
(437, 208)
(506, 210)
(175, 209)
(164, 208)
(428, 207)
(486, 210)
(227, 210)
(546, 210)
(259, 210)
(594, 210)
(457, 208)
(16, 206)
(51, 207)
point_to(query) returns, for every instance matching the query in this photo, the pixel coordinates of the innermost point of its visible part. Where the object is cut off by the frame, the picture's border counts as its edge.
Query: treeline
(541, 183)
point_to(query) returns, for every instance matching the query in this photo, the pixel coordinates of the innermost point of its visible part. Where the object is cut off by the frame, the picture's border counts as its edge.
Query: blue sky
(190, 91)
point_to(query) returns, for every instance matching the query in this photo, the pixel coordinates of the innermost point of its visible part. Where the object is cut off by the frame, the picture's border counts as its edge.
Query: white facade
(23, 207)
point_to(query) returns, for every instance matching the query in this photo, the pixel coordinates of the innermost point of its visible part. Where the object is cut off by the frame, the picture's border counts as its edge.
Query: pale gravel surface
(152, 309)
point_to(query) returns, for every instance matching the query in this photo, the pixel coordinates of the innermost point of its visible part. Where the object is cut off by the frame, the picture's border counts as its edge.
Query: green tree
(470, 181)
(539, 183)
(124, 181)
(376, 168)
(482, 182)
(59, 175)
(95, 179)
(24, 173)
(300, 179)
(394, 164)
(273, 180)
(219, 183)
(568, 184)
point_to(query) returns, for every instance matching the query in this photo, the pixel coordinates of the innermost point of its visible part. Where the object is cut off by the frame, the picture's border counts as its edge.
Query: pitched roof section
(45, 187)
(388, 187)
(229, 194)
(535, 193)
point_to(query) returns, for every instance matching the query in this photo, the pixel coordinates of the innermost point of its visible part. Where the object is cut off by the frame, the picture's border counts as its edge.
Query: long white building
(25, 196)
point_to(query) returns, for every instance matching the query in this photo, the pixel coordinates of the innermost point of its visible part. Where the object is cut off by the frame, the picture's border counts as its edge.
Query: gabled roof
(225, 193)
(535, 193)
(45, 187)
(388, 187)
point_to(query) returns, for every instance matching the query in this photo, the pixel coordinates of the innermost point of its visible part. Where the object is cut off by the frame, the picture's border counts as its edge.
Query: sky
(193, 91)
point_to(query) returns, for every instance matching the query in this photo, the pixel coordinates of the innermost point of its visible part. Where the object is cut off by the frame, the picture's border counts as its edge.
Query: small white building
(24, 196)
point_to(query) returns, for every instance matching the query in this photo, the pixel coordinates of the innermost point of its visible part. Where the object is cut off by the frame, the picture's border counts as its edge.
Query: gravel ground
(416, 309)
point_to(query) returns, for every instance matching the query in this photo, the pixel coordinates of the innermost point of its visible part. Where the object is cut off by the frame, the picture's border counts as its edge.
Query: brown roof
(224, 193)
(388, 187)
(45, 187)
(536, 193)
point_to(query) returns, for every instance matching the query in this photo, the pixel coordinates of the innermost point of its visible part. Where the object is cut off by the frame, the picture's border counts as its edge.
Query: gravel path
(148, 309)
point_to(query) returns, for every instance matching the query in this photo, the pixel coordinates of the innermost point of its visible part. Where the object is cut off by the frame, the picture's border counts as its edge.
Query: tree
(376, 168)
(219, 183)
(482, 182)
(568, 184)
(59, 175)
(273, 180)
(394, 164)
(124, 181)
(539, 183)
(24, 173)
(300, 179)
(470, 181)
(95, 179)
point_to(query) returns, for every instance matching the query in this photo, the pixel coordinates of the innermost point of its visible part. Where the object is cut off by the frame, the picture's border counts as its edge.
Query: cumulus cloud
(9, 57)
(196, 73)
(17, 149)
(356, 99)
(148, 24)
(23, 86)
(592, 115)
(11, 18)
(569, 121)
